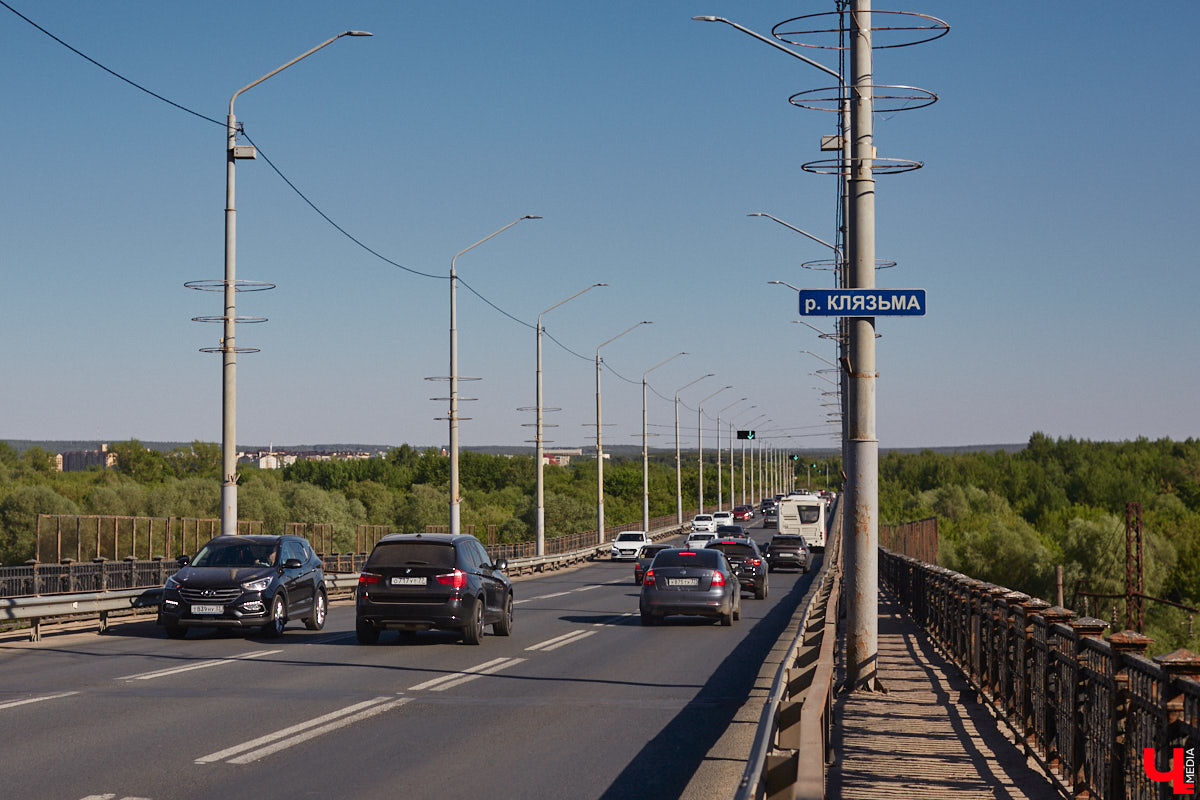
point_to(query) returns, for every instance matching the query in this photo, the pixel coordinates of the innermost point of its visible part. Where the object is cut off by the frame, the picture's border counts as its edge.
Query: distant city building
(82, 460)
(560, 457)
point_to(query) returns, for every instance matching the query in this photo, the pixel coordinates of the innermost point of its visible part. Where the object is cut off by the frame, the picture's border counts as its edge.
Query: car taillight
(648, 578)
(755, 561)
(718, 579)
(365, 578)
(456, 579)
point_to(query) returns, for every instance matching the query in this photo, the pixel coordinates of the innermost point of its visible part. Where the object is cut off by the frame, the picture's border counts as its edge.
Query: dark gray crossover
(256, 582)
(418, 581)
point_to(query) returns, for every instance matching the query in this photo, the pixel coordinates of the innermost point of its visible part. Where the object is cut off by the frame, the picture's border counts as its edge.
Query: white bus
(804, 514)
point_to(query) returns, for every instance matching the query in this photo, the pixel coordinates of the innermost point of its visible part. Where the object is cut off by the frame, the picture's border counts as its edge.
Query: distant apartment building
(561, 457)
(82, 460)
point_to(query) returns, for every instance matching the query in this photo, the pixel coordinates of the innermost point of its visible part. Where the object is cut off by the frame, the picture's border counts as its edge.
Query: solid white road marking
(458, 678)
(302, 732)
(559, 641)
(14, 703)
(158, 673)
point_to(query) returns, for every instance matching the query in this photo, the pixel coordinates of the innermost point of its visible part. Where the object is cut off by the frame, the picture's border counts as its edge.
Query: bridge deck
(928, 737)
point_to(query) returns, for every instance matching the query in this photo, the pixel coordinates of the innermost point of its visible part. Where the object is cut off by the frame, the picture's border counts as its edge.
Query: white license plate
(408, 581)
(208, 609)
(683, 581)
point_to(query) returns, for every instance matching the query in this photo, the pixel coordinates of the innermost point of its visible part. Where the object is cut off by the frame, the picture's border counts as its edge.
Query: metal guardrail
(68, 592)
(792, 747)
(1087, 707)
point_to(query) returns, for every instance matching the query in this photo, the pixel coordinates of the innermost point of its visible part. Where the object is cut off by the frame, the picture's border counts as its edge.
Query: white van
(803, 514)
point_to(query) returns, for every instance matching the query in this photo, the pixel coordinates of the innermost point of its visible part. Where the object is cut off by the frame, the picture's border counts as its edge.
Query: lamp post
(599, 439)
(700, 444)
(228, 349)
(455, 500)
(540, 523)
(678, 471)
(645, 453)
(732, 492)
(720, 481)
(747, 424)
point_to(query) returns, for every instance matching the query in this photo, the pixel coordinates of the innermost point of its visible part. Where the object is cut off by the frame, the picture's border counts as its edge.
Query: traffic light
(795, 456)
(745, 434)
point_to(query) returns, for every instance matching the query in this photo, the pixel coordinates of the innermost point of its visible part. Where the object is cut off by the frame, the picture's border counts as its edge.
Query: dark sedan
(747, 562)
(416, 581)
(643, 563)
(246, 582)
(694, 582)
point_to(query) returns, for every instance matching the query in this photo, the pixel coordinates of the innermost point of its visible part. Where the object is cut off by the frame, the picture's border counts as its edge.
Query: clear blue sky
(1053, 226)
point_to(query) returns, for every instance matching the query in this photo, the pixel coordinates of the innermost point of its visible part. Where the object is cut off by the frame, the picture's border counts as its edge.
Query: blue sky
(1053, 225)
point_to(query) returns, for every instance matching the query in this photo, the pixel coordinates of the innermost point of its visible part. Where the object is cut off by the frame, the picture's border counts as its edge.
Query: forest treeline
(1004, 517)
(1010, 518)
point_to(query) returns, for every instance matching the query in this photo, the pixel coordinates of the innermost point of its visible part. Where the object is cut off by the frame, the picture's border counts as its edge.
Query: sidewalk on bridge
(929, 737)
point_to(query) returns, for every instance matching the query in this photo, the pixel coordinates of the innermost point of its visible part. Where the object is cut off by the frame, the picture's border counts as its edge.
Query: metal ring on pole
(879, 166)
(832, 98)
(920, 28)
(832, 265)
(238, 286)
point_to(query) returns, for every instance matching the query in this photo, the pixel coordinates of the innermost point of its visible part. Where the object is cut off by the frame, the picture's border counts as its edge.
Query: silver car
(693, 582)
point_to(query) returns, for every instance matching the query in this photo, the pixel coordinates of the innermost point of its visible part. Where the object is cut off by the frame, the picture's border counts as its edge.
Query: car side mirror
(501, 564)
(293, 563)
(183, 560)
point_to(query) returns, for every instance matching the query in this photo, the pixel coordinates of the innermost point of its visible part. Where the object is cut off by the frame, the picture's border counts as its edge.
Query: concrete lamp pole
(645, 452)
(599, 437)
(700, 445)
(541, 485)
(678, 470)
(228, 349)
(720, 480)
(455, 499)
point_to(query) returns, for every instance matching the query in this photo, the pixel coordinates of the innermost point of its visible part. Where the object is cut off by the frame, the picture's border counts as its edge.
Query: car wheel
(176, 631)
(366, 632)
(727, 619)
(473, 633)
(320, 606)
(503, 626)
(274, 628)
(760, 591)
(737, 612)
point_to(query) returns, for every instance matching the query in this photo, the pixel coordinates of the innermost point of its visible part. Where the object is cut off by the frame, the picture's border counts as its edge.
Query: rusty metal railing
(1086, 706)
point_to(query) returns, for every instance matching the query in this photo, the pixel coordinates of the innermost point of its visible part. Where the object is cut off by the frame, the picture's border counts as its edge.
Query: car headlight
(257, 585)
(172, 583)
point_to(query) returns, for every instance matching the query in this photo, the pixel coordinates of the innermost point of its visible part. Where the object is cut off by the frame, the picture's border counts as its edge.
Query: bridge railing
(1086, 706)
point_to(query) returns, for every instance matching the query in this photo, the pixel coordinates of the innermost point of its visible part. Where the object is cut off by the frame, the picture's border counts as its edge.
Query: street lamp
(231, 287)
(720, 497)
(645, 455)
(732, 491)
(599, 445)
(747, 424)
(540, 524)
(678, 472)
(455, 500)
(700, 443)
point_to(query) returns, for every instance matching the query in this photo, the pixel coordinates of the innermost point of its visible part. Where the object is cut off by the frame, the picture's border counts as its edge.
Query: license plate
(197, 609)
(683, 581)
(408, 581)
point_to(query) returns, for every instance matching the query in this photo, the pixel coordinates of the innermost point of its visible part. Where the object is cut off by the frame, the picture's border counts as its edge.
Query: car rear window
(688, 558)
(787, 541)
(733, 549)
(651, 550)
(400, 554)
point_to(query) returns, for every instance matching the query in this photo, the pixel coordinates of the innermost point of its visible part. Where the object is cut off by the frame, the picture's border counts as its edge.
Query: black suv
(747, 562)
(417, 581)
(787, 550)
(246, 582)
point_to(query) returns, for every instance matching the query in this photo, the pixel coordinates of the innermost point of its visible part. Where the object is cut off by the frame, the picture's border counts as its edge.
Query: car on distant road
(628, 544)
(694, 582)
(730, 530)
(249, 582)
(699, 538)
(723, 517)
(787, 550)
(423, 581)
(644, 558)
(743, 513)
(704, 522)
(747, 562)
(771, 517)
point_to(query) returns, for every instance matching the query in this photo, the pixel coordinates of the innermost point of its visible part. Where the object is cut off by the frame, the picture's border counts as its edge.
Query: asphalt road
(580, 702)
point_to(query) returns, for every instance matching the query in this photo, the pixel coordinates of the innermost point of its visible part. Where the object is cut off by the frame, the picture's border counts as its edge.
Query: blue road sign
(862, 302)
